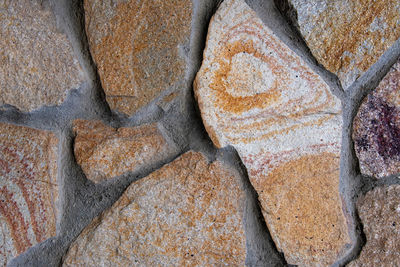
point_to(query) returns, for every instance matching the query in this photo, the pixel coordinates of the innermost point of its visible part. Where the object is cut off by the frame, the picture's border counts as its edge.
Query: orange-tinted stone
(104, 152)
(37, 63)
(257, 95)
(28, 189)
(188, 213)
(138, 47)
(349, 36)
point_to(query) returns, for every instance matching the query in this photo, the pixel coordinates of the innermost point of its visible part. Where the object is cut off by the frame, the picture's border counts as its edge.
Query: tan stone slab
(138, 47)
(376, 128)
(188, 213)
(104, 152)
(37, 64)
(348, 36)
(257, 95)
(379, 211)
(28, 189)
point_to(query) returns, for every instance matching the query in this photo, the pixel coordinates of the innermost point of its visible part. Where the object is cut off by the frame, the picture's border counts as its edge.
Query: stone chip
(188, 213)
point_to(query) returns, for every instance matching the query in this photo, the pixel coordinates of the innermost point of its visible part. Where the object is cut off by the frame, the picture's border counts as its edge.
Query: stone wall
(199, 133)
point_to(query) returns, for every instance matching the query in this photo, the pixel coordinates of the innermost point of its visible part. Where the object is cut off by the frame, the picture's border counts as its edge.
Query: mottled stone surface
(28, 189)
(379, 211)
(37, 64)
(138, 47)
(104, 152)
(376, 128)
(348, 36)
(256, 94)
(188, 213)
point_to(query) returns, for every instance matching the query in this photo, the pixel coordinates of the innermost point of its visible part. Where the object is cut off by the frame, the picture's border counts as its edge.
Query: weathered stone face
(104, 152)
(138, 48)
(28, 189)
(349, 36)
(376, 128)
(188, 213)
(37, 64)
(256, 94)
(379, 211)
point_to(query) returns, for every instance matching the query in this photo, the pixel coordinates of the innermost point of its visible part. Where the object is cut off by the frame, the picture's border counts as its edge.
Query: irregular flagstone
(104, 152)
(379, 211)
(349, 36)
(138, 47)
(376, 128)
(257, 95)
(37, 64)
(188, 213)
(28, 189)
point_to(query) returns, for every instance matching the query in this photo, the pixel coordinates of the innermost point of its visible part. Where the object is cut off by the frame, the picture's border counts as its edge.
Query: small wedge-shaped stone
(104, 152)
(28, 189)
(256, 94)
(347, 36)
(376, 128)
(188, 213)
(138, 47)
(379, 212)
(37, 63)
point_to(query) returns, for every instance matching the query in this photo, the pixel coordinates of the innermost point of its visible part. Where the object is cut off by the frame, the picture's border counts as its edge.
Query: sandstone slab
(257, 95)
(28, 189)
(379, 211)
(104, 152)
(348, 36)
(138, 48)
(188, 213)
(376, 128)
(37, 64)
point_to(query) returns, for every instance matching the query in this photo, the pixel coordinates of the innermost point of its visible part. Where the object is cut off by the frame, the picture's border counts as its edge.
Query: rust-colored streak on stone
(188, 213)
(348, 37)
(37, 63)
(28, 186)
(376, 128)
(257, 95)
(379, 211)
(104, 152)
(135, 45)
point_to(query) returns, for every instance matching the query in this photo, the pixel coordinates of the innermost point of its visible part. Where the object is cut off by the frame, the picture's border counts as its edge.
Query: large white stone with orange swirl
(257, 95)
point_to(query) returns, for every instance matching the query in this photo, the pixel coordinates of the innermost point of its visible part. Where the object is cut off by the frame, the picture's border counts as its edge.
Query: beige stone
(188, 213)
(379, 211)
(257, 95)
(28, 189)
(104, 152)
(348, 36)
(138, 48)
(37, 64)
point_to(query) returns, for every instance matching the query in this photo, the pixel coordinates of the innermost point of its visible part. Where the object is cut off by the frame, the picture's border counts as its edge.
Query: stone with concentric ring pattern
(257, 95)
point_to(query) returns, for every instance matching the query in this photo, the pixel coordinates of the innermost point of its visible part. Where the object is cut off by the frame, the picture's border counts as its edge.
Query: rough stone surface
(37, 64)
(28, 189)
(256, 94)
(104, 152)
(379, 211)
(376, 128)
(138, 47)
(348, 36)
(188, 213)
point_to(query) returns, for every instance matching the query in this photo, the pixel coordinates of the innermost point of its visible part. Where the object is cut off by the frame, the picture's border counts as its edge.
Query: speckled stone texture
(28, 189)
(104, 152)
(348, 36)
(256, 94)
(37, 64)
(138, 47)
(379, 211)
(188, 213)
(376, 128)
